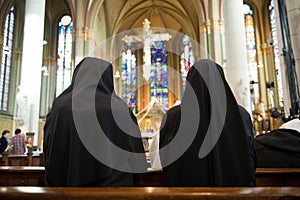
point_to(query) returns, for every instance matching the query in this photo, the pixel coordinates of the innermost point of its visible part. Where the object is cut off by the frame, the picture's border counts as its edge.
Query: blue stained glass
(64, 57)
(69, 30)
(159, 74)
(128, 76)
(6, 59)
(186, 59)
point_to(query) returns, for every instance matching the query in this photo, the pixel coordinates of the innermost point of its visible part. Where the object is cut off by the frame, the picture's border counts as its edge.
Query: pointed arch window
(64, 54)
(5, 71)
(251, 54)
(128, 77)
(274, 38)
(159, 73)
(186, 59)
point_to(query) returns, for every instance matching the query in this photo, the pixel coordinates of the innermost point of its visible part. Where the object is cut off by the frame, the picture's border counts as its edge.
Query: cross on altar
(148, 39)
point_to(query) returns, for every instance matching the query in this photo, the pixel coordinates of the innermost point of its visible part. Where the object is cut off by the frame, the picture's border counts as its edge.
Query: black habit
(69, 160)
(278, 148)
(3, 144)
(228, 163)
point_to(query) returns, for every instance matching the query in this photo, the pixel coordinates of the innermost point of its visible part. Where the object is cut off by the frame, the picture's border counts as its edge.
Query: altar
(149, 120)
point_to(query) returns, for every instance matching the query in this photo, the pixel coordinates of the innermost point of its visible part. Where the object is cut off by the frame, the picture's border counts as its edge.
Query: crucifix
(148, 39)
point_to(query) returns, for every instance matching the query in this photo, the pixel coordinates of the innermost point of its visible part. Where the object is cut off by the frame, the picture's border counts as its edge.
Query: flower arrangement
(29, 146)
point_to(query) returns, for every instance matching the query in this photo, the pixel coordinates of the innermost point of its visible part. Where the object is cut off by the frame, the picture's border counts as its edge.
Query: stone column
(90, 43)
(293, 12)
(235, 45)
(203, 41)
(80, 33)
(208, 28)
(222, 42)
(216, 32)
(286, 98)
(28, 96)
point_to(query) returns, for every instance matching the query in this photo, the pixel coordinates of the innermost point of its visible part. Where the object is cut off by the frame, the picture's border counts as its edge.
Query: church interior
(152, 45)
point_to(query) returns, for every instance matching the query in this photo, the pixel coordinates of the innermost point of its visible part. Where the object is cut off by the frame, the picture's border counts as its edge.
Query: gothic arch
(177, 13)
(93, 11)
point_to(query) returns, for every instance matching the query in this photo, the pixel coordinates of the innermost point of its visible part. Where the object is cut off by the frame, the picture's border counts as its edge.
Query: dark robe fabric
(278, 148)
(229, 161)
(3, 144)
(69, 161)
(251, 141)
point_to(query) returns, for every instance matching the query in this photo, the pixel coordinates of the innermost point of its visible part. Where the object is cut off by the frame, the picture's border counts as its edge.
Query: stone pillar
(78, 38)
(216, 42)
(28, 96)
(235, 45)
(270, 75)
(293, 12)
(286, 97)
(80, 33)
(222, 43)
(208, 28)
(203, 41)
(216, 32)
(90, 43)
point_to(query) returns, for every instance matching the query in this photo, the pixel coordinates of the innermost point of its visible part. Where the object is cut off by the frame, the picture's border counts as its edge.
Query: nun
(203, 141)
(280, 147)
(91, 137)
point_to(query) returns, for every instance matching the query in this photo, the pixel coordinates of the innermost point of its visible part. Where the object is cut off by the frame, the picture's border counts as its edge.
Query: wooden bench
(149, 193)
(264, 177)
(278, 176)
(22, 176)
(34, 176)
(35, 159)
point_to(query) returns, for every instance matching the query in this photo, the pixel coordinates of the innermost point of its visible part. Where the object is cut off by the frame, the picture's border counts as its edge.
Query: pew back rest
(35, 176)
(35, 159)
(278, 176)
(218, 193)
(22, 176)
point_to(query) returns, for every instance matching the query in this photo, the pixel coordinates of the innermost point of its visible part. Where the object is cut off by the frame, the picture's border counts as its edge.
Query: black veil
(69, 160)
(228, 162)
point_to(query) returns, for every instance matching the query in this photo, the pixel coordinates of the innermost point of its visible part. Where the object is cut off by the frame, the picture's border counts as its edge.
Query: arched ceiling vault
(179, 15)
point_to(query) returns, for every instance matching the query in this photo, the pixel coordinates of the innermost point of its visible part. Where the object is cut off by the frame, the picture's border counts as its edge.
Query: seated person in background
(219, 129)
(3, 141)
(280, 147)
(73, 147)
(18, 143)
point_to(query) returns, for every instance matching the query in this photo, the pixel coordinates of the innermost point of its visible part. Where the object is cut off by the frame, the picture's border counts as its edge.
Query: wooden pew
(22, 176)
(35, 159)
(278, 176)
(264, 177)
(153, 178)
(150, 193)
(34, 176)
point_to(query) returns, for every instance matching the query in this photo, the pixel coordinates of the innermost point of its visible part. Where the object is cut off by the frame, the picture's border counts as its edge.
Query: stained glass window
(6, 59)
(129, 76)
(159, 73)
(186, 59)
(64, 54)
(251, 54)
(276, 50)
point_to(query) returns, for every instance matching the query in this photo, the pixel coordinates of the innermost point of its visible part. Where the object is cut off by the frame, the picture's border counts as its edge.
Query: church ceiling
(121, 15)
(171, 14)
